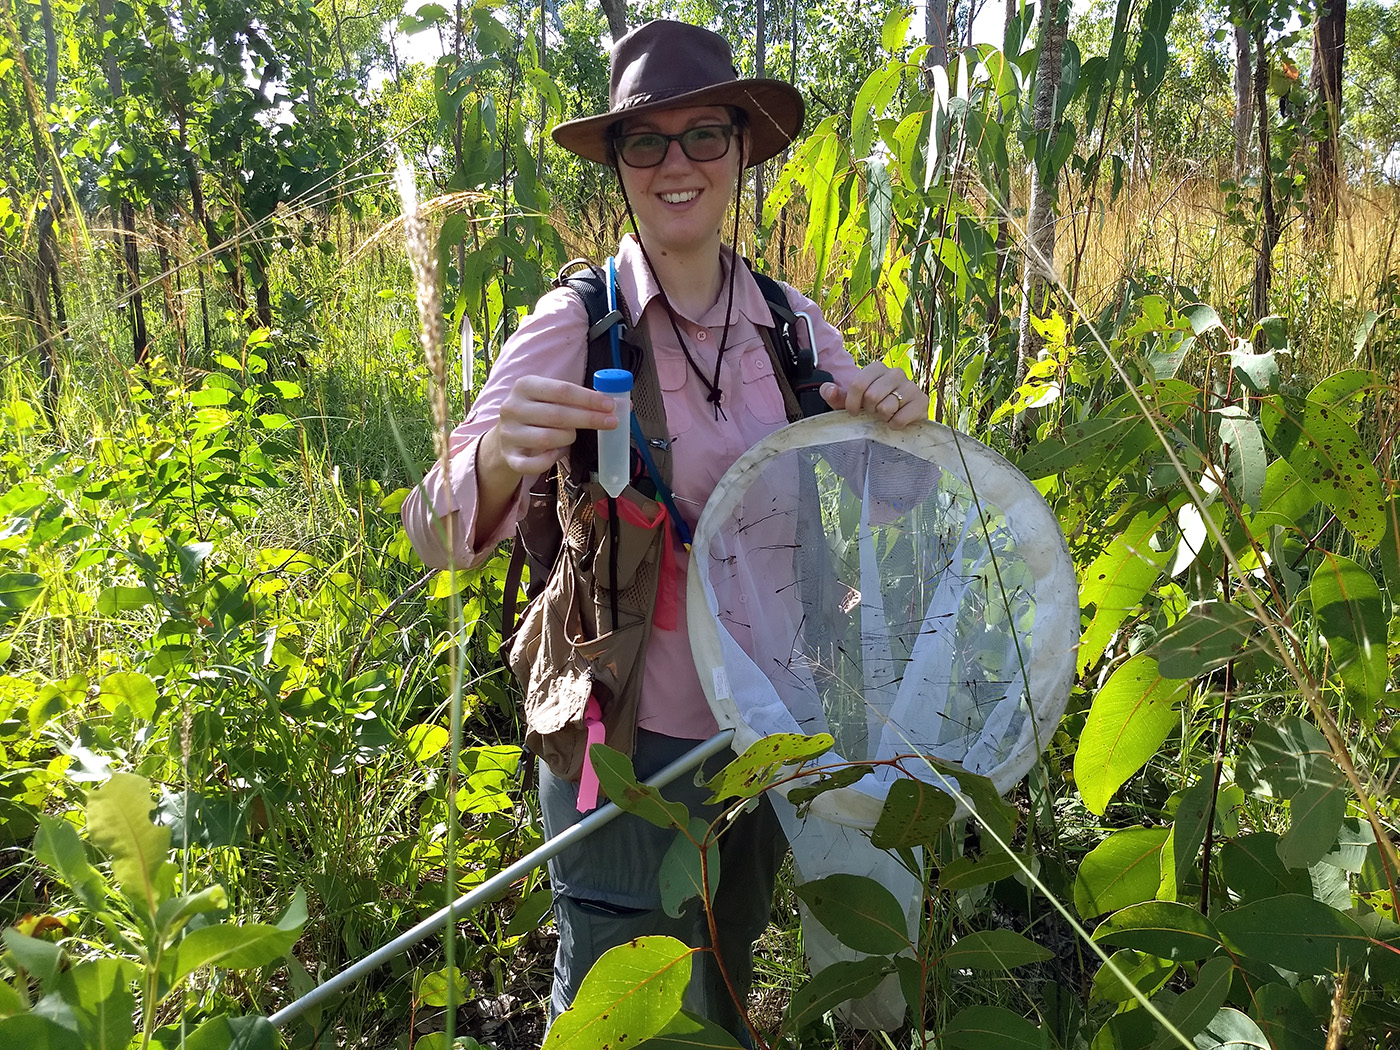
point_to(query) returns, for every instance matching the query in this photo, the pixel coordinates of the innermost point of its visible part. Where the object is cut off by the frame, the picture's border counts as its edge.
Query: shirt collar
(640, 287)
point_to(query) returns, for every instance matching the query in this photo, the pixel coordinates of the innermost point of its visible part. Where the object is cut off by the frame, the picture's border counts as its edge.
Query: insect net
(908, 592)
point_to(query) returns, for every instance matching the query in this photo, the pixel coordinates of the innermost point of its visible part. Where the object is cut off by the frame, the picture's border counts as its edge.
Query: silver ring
(898, 396)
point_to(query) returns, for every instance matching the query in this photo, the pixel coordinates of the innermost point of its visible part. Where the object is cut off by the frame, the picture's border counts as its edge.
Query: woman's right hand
(538, 421)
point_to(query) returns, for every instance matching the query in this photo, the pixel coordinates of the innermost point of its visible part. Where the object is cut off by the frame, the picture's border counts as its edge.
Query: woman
(680, 131)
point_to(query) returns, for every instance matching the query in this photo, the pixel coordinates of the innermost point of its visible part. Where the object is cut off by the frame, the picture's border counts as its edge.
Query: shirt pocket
(763, 398)
(671, 374)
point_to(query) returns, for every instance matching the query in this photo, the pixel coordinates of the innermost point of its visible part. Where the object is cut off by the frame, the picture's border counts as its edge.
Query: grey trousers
(607, 888)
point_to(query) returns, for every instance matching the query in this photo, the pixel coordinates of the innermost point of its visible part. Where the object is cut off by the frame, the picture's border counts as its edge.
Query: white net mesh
(908, 592)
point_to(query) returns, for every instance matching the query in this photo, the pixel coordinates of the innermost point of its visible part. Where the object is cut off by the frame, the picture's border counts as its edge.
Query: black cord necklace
(714, 393)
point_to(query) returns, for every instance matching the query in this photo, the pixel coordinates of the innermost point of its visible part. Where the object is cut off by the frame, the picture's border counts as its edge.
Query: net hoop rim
(1052, 660)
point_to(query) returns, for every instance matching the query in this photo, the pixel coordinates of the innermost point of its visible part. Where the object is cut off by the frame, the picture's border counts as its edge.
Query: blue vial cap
(612, 380)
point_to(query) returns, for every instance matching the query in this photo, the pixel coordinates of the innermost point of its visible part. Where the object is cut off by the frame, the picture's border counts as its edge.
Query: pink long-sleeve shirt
(552, 342)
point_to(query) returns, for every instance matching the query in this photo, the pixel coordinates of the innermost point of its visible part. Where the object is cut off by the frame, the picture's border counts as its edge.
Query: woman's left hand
(880, 391)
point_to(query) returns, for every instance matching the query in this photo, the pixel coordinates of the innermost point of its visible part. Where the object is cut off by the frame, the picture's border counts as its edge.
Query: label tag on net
(722, 684)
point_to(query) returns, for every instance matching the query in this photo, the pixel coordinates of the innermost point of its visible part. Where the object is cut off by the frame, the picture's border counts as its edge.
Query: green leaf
(879, 199)
(1315, 817)
(994, 950)
(1295, 932)
(824, 186)
(1114, 585)
(132, 688)
(748, 775)
(688, 1032)
(1162, 928)
(1130, 718)
(1252, 869)
(619, 780)
(860, 912)
(681, 876)
(1142, 971)
(99, 990)
(234, 1033)
(632, 992)
(1123, 869)
(1390, 551)
(112, 601)
(1207, 636)
(33, 1032)
(57, 844)
(965, 872)
(870, 104)
(819, 785)
(174, 913)
(1231, 1030)
(1257, 372)
(1326, 452)
(1196, 1006)
(1193, 820)
(119, 824)
(234, 947)
(40, 958)
(10, 1002)
(1352, 618)
(991, 1028)
(425, 742)
(1246, 463)
(18, 591)
(914, 813)
(1283, 757)
(1283, 1016)
(835, 984)
(434, 988)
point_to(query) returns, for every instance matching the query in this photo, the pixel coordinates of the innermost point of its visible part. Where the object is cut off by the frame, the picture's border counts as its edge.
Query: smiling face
(680, 203)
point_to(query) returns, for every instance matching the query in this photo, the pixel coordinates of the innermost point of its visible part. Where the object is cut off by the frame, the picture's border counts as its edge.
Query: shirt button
(702, 335)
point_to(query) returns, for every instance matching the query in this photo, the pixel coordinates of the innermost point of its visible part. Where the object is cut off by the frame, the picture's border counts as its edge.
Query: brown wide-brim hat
(665, 65)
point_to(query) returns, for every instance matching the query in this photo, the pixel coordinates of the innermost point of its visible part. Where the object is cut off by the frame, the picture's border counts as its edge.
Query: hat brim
(775, 110)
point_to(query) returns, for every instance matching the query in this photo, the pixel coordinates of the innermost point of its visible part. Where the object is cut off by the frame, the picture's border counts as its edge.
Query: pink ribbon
(664, 616)
(588, 778)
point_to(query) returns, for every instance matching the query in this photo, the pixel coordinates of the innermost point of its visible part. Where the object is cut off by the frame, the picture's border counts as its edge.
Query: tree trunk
(616, 10)
(129, 277)
(935, 35)
(1038, 278)
(1325, 78)
(760, 48)
(1003, 256)
(1244, 99)
(1269, 227)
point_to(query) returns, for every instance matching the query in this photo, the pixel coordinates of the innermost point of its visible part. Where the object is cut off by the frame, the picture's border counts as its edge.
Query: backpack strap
(795, 364)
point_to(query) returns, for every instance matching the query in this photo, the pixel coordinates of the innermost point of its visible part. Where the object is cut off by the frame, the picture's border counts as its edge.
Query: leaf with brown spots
(1325, 450)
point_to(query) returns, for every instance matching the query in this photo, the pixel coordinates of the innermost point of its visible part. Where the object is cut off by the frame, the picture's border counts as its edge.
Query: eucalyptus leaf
(1123, 869)
(859, 911)
(1194, 1008)
(914, 814)
(762, 761)
(631, 994)
(689, 1032)
(1130, 718)
(1141, 973)
(1315, 818)
(1206, 636)
(1352, 618)
(1231, 1030)
(993, 950)
(1116, 582)
(619, 780)
(682, 878)
(1246, 462)
(834, 985)
(991, 1028)
(1328, 454)
(1252, 869)
(1162, 928)
(1294, 932)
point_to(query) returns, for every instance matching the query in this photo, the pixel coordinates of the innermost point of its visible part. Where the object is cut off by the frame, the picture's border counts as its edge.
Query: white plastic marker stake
(614, 446)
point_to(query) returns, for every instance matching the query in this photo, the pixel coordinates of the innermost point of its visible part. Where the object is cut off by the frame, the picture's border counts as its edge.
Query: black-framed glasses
(647, 149)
